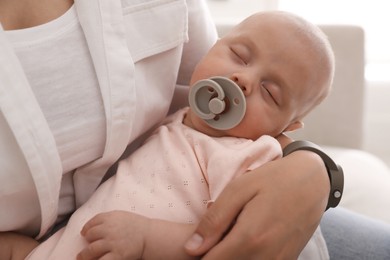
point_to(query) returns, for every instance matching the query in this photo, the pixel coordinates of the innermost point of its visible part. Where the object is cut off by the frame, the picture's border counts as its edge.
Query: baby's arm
(15, 246)
(123, 235)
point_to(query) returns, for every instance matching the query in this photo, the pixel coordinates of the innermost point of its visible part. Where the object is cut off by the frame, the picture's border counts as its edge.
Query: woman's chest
(15, 15)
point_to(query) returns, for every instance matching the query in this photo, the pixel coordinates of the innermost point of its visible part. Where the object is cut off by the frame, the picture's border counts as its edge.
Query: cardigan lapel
(29, 126)
(102, 23)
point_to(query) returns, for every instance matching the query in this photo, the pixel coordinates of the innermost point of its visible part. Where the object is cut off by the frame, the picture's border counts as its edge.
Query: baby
(284, 67)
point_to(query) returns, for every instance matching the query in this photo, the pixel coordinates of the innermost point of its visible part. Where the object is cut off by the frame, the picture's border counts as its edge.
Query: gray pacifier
(219, 101)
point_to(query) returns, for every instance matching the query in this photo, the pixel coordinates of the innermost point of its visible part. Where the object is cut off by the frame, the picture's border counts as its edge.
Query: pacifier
(219, 101)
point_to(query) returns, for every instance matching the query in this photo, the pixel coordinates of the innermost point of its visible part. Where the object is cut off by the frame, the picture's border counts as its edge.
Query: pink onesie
(172, 177)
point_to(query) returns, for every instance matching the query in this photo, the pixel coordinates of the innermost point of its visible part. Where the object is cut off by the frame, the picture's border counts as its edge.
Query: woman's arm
(276, 209)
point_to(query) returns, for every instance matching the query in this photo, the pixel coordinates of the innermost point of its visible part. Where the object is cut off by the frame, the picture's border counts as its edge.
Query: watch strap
(335, 172)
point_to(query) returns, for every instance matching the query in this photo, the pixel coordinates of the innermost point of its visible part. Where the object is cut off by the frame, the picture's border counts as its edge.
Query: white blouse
(74, 112)
(76, 91)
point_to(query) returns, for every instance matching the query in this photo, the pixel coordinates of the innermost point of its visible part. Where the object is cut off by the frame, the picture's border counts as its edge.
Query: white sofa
(338, 126)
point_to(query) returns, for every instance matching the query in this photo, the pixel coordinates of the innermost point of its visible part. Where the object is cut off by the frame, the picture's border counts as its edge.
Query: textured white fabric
(136, 66)
(75, 114)
(48, 54)
(19, 189)
(37, 150)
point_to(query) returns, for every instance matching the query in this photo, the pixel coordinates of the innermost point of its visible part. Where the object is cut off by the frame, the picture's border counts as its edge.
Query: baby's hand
(114, 235)
(284, 140)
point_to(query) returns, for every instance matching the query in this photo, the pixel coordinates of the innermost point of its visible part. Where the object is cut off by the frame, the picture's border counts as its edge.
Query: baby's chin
(194, 121)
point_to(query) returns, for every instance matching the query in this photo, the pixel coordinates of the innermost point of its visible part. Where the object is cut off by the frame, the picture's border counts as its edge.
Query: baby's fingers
(93, 222)
(94, 250)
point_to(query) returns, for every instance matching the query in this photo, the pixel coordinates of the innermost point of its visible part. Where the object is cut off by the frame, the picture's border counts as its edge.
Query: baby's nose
(244, 84)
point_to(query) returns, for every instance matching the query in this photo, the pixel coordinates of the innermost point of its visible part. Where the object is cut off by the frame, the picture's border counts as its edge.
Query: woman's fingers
(220, 217)
(274, 211)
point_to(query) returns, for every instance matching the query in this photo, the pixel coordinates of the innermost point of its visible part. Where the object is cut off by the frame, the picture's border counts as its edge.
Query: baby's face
(276, 70)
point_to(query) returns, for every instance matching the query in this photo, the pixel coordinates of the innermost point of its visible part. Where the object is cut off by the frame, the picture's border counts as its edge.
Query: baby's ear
(294, 126)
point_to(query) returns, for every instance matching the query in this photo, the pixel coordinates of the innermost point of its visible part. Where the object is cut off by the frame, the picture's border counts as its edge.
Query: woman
(83, 80)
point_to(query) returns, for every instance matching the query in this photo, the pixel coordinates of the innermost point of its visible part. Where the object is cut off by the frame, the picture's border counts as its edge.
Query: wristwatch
(335, 172)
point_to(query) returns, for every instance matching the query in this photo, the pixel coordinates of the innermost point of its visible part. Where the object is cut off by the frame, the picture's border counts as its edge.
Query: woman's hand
(270, 213)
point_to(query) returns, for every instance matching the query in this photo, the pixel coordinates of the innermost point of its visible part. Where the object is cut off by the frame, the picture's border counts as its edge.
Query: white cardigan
(137, 64)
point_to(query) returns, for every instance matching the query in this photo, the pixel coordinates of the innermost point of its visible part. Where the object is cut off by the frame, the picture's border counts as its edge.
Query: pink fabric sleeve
(236, 157)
